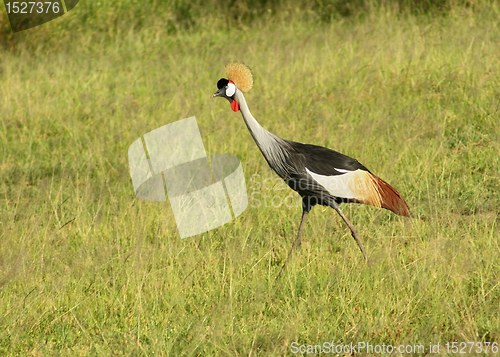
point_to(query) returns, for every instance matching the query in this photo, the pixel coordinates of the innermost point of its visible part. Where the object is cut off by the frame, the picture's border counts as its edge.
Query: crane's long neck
(272, 147)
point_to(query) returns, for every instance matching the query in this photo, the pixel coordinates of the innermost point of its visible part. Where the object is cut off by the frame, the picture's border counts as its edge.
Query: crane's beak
(219, 93)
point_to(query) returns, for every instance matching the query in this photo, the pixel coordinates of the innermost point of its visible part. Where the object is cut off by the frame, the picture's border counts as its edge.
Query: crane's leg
(353, 229)
(297, 241)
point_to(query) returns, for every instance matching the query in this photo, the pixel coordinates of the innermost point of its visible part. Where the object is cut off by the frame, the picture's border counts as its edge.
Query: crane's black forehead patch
(222, 83)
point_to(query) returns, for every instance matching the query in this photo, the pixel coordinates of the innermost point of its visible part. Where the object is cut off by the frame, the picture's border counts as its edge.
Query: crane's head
(239, 77)
(227, 89)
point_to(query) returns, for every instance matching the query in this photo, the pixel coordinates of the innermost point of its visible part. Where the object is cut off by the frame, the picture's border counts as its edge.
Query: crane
(320, 176)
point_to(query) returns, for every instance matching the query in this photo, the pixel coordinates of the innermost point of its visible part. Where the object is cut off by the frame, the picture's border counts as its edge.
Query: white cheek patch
(231, 89)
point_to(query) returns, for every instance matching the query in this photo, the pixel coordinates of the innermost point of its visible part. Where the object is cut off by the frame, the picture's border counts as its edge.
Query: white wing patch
(358, 185)
(336, 185)
(341, 170)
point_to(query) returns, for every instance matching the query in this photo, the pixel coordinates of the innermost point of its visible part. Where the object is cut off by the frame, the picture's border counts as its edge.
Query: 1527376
(32, 7)
(471, 347)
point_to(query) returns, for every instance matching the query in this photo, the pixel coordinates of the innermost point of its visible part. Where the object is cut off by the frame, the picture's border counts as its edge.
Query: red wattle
(234, 105)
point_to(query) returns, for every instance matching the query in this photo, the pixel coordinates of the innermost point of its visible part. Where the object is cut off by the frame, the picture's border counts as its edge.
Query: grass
(87, 268)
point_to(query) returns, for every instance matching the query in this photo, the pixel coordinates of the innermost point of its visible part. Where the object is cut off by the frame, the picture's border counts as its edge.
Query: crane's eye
(230, 89)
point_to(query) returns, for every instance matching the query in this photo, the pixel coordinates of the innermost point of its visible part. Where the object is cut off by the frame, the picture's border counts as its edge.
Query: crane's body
(320, 175)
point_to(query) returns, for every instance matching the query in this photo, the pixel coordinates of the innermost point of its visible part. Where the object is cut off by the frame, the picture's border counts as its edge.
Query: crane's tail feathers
(390, 198)
(371, 190)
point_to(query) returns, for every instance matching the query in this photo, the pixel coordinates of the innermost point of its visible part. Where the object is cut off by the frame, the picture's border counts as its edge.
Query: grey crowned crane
(320, 175)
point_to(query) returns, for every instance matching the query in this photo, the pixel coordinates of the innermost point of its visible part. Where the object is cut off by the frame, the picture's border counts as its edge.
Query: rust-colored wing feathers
(376, 192)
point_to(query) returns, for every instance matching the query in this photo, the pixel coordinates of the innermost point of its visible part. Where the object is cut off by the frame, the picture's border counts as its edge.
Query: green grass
(87, 268)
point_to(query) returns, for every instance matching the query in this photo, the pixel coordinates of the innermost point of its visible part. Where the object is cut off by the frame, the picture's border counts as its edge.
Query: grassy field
(88, 269)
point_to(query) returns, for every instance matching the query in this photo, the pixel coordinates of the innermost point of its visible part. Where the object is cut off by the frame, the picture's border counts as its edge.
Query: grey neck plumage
(272, 147)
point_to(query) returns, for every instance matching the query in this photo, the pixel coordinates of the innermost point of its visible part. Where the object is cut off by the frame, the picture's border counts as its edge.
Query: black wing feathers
(324, 161)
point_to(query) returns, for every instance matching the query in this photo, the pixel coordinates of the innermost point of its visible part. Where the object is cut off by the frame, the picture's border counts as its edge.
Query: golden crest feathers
(240, 75)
